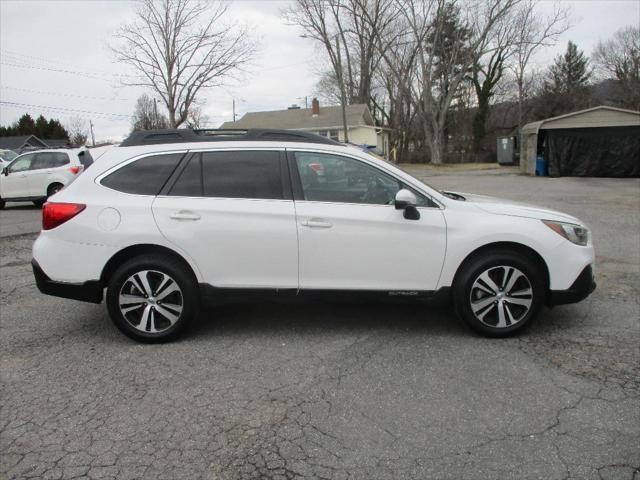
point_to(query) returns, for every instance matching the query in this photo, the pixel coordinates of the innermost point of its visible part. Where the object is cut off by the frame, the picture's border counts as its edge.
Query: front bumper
(580, 289)
(90, 291)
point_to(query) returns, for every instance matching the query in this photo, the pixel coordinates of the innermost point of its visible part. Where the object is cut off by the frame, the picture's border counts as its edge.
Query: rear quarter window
(145, 176)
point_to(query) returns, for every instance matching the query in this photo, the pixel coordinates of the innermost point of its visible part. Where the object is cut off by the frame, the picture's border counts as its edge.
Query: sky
(55, 59)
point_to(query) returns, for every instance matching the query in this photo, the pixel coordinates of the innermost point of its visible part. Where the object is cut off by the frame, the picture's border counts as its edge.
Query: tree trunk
(520, 101)
(480, 124)
(435, 139)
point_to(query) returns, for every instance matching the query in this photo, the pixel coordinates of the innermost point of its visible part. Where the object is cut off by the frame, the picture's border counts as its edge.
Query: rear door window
(49, 160)
(145, 176)
(232, 174)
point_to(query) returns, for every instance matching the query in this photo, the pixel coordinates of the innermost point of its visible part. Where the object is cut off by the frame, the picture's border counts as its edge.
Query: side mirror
(406, 200)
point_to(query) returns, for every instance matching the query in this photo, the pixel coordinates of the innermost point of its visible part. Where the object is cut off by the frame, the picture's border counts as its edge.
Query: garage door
(594, 152)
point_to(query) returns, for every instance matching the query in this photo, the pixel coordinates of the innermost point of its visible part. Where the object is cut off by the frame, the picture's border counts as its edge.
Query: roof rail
(187, 135)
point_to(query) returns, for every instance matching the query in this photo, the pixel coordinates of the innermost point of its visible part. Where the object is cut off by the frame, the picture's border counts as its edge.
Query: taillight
(74, 170)
(55, 214)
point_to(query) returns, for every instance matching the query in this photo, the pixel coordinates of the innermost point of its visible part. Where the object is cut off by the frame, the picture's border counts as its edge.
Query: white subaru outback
(171, 216)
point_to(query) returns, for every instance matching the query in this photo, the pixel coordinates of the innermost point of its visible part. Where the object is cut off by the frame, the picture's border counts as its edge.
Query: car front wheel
(152, 298)
(499, 293)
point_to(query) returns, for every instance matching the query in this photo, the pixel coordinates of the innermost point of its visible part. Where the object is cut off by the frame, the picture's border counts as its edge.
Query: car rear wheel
(2, 204)
(499, 293)
(152, 298)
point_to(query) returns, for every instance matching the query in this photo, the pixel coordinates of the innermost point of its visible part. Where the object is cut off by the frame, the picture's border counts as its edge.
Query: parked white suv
(35, 176)
(172, 216)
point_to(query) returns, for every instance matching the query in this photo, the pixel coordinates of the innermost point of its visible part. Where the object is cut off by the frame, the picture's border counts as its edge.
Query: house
(58, 143)
(21, 143)
(596, 142)
(325, 121)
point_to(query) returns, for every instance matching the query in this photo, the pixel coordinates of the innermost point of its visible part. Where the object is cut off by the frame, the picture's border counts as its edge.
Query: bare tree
(146, 115)
(197, 118)
(177, 54)
(534, 31)
(489, 71)
(619, 58)
(349, 31)
(78, 130)
(441, 74)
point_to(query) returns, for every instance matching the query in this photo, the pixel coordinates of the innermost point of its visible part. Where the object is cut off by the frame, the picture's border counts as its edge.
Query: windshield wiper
(454, 196)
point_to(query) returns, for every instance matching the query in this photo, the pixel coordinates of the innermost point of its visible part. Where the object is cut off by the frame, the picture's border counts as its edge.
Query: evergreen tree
(570, 72)
(566, 87)
(26, 125)
(41, 127)
(57, 131)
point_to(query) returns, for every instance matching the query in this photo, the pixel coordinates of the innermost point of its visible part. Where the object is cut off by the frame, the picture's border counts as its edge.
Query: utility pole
(93, 138)
(234, 110)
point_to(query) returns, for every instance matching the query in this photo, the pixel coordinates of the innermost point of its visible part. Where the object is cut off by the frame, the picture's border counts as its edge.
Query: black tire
(157, 265)
(2, 204)
(505, 312)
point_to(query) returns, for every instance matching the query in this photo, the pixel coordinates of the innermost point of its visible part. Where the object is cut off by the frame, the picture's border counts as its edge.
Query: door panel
(230, 212)
(16, 184)
(45, 168)
(369, 247)
(242, 243)
(350, 234)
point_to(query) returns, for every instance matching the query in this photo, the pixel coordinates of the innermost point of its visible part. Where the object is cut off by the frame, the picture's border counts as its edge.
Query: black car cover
(593, 152)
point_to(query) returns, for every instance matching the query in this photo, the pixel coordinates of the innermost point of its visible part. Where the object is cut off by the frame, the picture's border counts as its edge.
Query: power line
(20, 58)
(94, 76)
(59, 94)
(63, 109)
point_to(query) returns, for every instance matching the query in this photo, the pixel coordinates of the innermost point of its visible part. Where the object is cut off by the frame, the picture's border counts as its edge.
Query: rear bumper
(90, 291)
(583, 286)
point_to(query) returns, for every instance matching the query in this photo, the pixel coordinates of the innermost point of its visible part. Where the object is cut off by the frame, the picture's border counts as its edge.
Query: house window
(334, 135)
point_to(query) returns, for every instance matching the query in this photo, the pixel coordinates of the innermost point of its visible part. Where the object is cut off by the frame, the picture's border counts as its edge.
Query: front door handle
(316, 223)
(184, 215)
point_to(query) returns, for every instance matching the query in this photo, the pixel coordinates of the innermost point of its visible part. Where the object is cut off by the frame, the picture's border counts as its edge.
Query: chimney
(315, 107)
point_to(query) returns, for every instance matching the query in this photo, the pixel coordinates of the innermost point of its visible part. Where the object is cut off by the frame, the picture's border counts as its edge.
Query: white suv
(34, 176)
(172, 216)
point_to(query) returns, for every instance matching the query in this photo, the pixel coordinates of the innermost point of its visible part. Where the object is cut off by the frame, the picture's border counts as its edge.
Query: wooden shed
(597, 142)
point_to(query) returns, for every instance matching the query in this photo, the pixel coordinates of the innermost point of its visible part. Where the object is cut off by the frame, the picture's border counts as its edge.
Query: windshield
(7, 155)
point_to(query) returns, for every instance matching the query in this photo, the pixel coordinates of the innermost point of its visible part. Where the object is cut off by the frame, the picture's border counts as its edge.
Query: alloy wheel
(151, 301)
(501, 296)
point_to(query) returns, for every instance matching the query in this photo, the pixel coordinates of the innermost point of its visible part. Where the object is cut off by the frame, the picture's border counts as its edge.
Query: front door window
(332, 178)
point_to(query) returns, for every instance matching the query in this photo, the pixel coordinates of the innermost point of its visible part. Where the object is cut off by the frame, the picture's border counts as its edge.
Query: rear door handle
(316, 223)
(184, 215)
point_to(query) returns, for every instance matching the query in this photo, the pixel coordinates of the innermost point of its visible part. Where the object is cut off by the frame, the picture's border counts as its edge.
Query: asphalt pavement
(333, 390)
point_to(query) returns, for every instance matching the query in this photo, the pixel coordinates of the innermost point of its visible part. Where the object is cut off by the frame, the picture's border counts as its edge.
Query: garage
(597, 142)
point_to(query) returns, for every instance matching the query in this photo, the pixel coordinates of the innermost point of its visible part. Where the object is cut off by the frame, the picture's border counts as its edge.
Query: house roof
(302, 119)
(16, 142)
(58, 142)
(602, 116)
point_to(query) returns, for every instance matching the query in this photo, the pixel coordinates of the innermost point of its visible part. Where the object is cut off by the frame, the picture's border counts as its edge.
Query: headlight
(574, 233)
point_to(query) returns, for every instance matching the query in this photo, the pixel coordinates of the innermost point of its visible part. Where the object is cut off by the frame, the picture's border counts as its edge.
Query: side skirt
(211, 294)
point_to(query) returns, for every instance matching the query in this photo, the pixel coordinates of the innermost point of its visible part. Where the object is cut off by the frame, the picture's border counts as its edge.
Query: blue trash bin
(542, 168)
